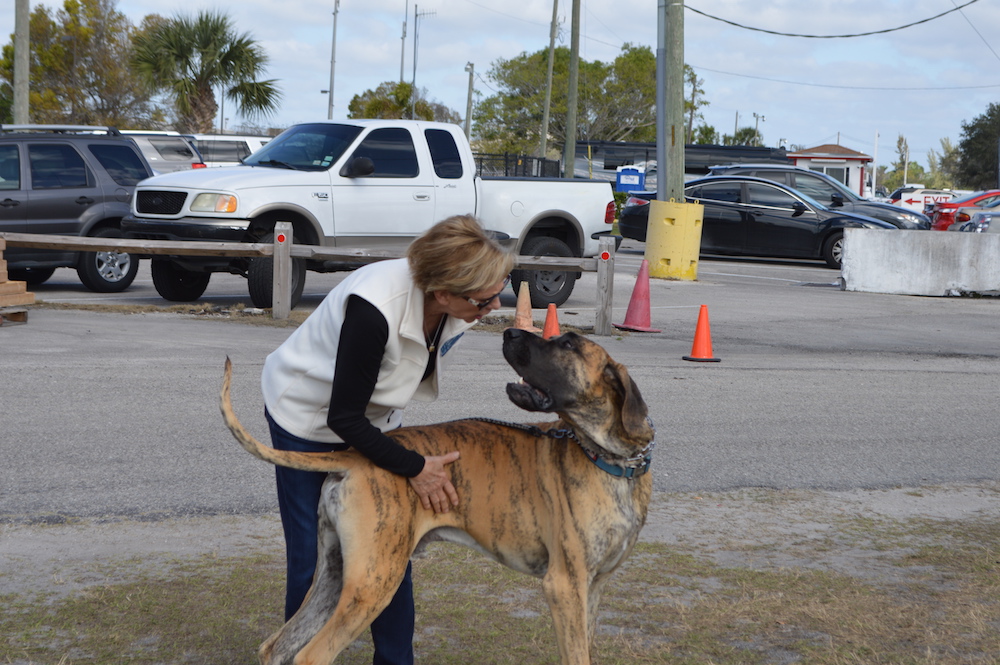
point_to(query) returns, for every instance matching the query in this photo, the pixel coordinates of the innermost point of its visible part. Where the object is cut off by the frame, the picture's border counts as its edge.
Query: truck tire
(33, 276)
(545, 286)
(260, 279)
(176, 284)
(107, 272)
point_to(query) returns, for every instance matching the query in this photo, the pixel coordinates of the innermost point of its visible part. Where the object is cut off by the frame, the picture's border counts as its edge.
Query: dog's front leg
(566, 591)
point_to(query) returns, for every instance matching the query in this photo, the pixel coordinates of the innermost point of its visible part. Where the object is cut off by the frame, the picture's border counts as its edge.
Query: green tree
(694, 101)
(189, 58)
(977, 150)
(395, 100)
(705, 135)
(743, 136)
(79, 67)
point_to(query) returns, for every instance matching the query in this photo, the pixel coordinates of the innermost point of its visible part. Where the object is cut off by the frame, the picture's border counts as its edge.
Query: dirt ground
(748, 527)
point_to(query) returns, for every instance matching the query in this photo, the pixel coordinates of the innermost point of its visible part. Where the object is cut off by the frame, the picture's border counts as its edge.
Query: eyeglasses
(486, 303)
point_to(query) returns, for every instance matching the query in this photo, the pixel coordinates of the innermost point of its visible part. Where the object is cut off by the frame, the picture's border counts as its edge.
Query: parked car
(166, 151)
(756, 217)
(68, 180)
(226, 149)
(829, 192)
(943, 213)
(965, 213)
(918, 198)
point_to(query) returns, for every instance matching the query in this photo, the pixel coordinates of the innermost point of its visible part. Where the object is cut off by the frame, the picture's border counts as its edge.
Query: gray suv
(829, 192)
(68, 180)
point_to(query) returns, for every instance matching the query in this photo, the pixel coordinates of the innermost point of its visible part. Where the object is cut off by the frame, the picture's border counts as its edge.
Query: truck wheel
(260, 279)
(545, 286)
(107, 272)
(176, 284)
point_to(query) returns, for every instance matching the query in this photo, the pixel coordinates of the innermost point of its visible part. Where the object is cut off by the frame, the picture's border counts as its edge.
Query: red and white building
(843, 164)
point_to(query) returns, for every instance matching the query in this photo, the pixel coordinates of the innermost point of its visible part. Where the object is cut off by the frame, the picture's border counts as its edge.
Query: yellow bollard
(673, 239)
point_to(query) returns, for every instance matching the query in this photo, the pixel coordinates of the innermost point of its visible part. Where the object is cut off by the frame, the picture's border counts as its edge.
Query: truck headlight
(209, 202)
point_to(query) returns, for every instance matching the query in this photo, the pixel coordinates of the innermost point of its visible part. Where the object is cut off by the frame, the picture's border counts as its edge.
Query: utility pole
(670, 103)
(333, 60)
(402, 48)
(569, 146)
(543, 142)
(756, 132)
(22, 52)
(471, 68)
(416, 30)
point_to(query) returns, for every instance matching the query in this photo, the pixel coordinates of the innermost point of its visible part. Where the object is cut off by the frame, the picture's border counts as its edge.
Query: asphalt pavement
(106, 414)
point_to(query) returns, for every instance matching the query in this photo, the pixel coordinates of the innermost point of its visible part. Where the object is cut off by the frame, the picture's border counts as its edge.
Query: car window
(10, 168)
(392, 151)
(120, 161)
(56, 166)
(223, 151)
(817, 188)
(766, 195)
(726, 192)
(444, 153)
(172, 149)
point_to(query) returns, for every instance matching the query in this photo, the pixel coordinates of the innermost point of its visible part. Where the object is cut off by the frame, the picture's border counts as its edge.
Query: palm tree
(189, 58)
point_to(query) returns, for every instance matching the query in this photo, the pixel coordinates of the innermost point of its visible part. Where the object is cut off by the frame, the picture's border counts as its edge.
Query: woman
(342, 379)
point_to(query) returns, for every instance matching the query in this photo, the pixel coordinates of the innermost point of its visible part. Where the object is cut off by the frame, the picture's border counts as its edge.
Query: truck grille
(160, 203)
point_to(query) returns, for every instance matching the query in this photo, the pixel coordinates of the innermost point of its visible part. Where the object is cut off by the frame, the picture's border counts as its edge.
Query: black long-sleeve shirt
(363, 337)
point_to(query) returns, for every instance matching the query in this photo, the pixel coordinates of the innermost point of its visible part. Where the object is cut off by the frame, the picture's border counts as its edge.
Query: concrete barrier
(920, 263)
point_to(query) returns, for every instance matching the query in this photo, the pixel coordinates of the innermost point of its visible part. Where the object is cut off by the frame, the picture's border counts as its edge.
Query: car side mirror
(358, 167)
(837, 199)
(799, 208)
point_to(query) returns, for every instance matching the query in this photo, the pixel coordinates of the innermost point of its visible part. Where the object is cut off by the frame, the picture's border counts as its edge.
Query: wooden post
(281, 290)
(605, 285)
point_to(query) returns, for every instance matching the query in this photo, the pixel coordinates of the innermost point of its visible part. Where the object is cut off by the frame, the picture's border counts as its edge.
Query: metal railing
(515, 166)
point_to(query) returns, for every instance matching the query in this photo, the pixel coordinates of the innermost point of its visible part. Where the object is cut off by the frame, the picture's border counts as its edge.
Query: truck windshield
(309, 147)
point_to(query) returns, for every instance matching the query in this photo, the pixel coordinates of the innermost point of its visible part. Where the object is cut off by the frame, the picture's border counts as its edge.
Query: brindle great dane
(563, 501)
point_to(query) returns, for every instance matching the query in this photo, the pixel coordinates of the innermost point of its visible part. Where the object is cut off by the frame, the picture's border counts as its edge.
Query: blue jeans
(298, 501)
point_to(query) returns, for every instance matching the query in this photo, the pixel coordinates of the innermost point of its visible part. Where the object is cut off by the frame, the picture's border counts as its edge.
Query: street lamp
(471, 68)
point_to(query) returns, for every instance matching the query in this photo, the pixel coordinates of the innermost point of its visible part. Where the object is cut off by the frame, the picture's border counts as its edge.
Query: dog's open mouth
(529, 397)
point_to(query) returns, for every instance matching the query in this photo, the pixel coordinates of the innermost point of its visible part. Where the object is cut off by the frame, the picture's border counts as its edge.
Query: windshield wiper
(275, 162)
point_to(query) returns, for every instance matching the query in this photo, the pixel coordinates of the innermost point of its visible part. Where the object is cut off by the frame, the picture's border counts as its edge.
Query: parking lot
(110, 414)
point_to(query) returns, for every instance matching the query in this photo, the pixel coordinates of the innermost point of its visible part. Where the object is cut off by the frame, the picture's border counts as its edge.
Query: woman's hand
(433, 485)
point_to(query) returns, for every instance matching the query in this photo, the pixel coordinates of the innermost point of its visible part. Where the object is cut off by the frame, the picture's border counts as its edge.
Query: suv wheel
(545, 286)
(176, 284)
(107, 272)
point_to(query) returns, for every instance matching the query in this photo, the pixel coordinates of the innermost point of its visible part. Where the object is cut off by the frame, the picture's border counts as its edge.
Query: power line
(846, 87)
(976, 30)
(860, 34)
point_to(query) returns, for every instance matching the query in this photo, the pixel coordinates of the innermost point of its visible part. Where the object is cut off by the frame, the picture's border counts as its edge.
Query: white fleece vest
(298, 376)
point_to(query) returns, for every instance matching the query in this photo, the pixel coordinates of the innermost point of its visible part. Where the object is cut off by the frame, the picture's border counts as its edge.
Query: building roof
(830, 150)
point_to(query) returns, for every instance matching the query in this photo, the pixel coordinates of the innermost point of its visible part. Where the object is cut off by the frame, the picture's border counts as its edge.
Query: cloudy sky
(920, 82)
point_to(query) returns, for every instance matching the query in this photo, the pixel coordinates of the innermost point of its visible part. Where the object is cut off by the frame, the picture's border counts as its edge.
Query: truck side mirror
(358, 167)
(837, 199)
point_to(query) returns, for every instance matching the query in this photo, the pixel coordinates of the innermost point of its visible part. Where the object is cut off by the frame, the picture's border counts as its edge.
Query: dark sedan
(756, 217)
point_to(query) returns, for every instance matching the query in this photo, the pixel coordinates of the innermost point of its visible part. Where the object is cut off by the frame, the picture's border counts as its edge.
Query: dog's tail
(324, 462)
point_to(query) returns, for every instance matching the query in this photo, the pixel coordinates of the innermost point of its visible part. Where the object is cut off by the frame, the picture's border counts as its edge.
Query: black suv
(827, 191)
(68, 180)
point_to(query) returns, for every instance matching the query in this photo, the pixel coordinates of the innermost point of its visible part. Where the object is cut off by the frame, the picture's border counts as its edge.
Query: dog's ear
(634, 409)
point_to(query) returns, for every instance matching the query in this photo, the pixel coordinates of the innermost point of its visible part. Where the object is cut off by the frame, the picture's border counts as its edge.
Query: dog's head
(576, 378)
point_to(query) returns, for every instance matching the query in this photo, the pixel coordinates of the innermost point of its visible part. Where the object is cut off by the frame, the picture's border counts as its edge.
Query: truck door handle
(84, 200)
(9, 203)
(421, 197)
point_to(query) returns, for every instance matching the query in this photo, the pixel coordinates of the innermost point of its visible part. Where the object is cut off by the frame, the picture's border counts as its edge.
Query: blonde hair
(456, 255)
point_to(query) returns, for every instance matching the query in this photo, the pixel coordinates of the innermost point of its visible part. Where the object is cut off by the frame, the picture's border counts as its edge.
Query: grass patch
(665, 605)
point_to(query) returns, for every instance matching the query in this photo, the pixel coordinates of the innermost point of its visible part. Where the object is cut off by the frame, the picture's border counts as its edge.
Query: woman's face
(472, 306)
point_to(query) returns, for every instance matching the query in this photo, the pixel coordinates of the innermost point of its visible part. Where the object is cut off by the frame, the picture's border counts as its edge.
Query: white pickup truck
(373, 184)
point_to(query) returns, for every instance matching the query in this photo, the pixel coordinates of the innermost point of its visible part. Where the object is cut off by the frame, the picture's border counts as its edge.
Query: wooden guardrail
(283, 252)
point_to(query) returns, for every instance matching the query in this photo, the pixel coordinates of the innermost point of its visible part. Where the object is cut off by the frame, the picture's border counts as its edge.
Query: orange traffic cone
(551, 328)
(637, 316)
(522, 315)
(701, 350)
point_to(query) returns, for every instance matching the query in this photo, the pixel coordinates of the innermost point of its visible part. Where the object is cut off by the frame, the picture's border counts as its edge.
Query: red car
(943, 213)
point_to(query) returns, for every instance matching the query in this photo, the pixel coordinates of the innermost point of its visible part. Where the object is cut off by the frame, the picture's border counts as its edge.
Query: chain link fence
(516, 166)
